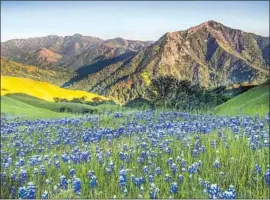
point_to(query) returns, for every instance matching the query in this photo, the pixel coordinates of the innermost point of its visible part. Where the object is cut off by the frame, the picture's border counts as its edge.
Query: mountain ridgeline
(210, 55)
(70, 52)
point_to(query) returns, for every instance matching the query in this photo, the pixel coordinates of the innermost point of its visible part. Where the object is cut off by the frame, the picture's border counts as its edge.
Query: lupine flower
(22, 193)
(195, 153)
(13, 192)
(180, 178)
(174, 187)
(108, 170)
(145, 169)
(45, 195)
(31, 191)
(55, 189)
(42, 170)
(13, 175)
(232, 192)
(257, 169)
(111, 165)
(151, 178)
(90, 173)
(214, 191)
(57, 164)
(63, 182)
(167, 178)
(153, 192)
(72, 172)
(168, 150)
(23, 176)
(158, 171)
(183, 163)
(193, 169)
(216, 164)
(93, 182)
(170, 161)
(76, 183)
(122, 177)
(201, 181)
(174, 168)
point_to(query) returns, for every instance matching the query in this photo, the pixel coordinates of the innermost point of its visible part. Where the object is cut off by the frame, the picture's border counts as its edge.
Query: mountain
(209, 54)
(70, 52)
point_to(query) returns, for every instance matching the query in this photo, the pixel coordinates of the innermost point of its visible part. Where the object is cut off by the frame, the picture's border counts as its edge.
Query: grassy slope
(33, 101)
(13, 106)
(42, 90)
(254, 101)
(33, 107)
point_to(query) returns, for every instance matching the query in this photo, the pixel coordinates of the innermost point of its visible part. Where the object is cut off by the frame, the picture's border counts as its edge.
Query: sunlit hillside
(254, 101)
(56, 77)
(42, 90)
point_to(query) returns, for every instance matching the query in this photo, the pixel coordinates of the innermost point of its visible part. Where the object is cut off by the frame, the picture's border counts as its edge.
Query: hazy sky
(130, 20)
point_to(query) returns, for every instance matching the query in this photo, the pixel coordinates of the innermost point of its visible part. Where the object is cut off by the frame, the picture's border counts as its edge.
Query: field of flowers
(142, 154)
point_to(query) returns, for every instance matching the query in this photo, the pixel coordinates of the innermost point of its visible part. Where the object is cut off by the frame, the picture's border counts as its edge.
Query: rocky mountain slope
(67, 52)
(209, 54)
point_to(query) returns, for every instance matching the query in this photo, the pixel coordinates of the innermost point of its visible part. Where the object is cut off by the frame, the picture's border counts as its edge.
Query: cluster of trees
(95, 101)
(170, 92)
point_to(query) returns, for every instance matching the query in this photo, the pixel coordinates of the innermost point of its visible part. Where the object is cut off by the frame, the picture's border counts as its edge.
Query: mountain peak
(211, 24)
(77, 35)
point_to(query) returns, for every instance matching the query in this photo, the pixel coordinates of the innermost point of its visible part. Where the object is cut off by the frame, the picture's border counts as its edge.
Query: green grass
(252, 102)
(57, 107)
(16, 107)
(33, 107)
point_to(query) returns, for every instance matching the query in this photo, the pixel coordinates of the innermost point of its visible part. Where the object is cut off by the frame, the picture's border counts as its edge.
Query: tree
(56, 99)
(171, 92)
(97, 99)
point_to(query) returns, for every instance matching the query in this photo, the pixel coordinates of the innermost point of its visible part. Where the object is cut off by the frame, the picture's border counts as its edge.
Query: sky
(135, 20)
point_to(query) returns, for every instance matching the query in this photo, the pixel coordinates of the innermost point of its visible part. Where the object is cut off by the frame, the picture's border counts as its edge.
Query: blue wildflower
(22, 193)
(174, 187)
(76, 183)
(267, 177)
(45, 195)
(93, 182)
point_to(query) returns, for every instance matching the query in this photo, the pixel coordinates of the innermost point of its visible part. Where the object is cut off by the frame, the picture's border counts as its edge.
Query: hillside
(13, 106)
(254, 101)
(56, 77)
(209, 54)
(70, 52)
(42, 90)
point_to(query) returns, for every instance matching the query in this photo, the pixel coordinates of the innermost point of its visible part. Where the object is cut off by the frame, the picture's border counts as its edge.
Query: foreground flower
(77, 186)
(31, 191)
(45, 195)
(93, 182)
(174, 187)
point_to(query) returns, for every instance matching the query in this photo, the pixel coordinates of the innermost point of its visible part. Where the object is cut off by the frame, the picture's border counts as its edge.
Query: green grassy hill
(34, 107)
(252, 102)
(57, 107)
(16, 107)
